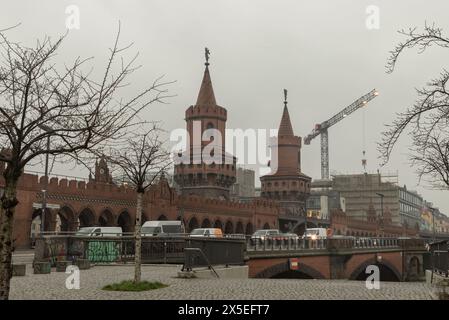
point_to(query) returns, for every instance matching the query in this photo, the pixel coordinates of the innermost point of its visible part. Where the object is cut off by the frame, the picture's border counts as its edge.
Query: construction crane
(321, 129)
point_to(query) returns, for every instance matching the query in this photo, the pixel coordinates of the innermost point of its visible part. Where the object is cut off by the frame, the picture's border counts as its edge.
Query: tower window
(210, 125)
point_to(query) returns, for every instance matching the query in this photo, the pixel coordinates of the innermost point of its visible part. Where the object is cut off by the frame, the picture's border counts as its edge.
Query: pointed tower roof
(206, 95)
(285, 128)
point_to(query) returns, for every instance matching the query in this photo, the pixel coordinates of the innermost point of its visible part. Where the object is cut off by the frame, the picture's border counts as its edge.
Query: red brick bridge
(397, 259)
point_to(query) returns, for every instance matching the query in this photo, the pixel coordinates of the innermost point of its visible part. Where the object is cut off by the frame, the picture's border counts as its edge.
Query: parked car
(291, 236)
(315, 233)
(207, 232)
(264, 234)
(162, 228)
(100, 232)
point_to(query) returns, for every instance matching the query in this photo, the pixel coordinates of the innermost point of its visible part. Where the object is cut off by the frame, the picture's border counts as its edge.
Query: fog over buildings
(321, 51)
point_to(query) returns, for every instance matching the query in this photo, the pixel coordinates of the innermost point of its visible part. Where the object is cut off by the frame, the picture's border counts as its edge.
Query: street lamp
(305, 218)
(381, 195)
(44, 191)
(433, 223)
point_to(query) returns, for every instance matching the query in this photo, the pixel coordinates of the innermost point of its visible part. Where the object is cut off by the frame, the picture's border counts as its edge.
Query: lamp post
(433, 223)
(44, 191)
(381, 195)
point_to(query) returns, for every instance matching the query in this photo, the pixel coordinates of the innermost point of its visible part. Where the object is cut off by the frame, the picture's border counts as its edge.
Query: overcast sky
(321, 51)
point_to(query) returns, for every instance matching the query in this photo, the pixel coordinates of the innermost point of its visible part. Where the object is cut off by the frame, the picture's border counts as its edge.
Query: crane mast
(322, 129)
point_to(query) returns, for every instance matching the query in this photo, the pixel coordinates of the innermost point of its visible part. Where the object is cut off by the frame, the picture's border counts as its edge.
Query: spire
(285, 128)
(206, 95)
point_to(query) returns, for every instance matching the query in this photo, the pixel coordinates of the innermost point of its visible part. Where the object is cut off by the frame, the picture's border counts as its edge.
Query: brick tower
(287, 183)
(206, 170)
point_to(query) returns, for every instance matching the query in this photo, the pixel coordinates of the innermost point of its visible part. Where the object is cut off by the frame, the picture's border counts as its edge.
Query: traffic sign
(37, 205)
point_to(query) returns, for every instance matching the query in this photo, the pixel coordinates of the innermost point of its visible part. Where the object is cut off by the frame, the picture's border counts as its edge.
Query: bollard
(41, 267)
(61, 266)
(18, 270)
(83, 264)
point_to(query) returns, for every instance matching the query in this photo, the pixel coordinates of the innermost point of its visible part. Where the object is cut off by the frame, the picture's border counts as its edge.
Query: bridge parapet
(332, 245)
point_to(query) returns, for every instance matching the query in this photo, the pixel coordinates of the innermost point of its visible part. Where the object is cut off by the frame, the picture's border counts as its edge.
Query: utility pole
(381, 195)
(45, 190)
(433, 223)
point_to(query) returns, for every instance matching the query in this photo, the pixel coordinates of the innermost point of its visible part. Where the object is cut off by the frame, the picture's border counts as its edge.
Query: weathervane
(285, 96)
(206, 54)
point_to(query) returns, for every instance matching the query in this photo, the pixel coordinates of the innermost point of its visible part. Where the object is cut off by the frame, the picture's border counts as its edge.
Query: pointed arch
(206, 223)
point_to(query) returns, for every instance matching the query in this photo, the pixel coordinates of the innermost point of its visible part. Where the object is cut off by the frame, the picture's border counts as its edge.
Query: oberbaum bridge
(203, 201)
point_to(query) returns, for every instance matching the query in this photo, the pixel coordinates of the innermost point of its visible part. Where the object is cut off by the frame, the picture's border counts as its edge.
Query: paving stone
(53, 286)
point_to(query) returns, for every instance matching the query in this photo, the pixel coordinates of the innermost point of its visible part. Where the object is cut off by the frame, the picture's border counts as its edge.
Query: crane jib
(360, 102)
(321, 129)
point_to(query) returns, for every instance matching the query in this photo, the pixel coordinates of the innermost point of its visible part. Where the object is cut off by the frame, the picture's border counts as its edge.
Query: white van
(162, 228)
(100, 232)
(316, 233)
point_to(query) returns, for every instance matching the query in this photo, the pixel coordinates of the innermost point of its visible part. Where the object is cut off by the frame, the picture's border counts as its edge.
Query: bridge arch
(218, 224)
(193, 224)
(67, 218)
(388, 272)
(125, 222)
(36, 218)
(86, 218)
(249, 228)
(414, 267)
(106, 218)
(239, 228)
(229, 227)
(205, 223)
(283, 271)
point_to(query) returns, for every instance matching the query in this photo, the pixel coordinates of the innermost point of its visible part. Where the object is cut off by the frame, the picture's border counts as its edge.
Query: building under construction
(360, 192)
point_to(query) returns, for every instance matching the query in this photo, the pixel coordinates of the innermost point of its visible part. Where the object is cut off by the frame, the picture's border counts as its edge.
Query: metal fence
(122, 249)
(440, 257)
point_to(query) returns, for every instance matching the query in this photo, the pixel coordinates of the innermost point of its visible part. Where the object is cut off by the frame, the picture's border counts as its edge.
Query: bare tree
(141, 159)
(428, 119)
(40, 102)
(432, 158)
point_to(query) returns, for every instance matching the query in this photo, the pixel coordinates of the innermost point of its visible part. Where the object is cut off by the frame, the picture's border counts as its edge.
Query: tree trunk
(7, 208)
(138, 239)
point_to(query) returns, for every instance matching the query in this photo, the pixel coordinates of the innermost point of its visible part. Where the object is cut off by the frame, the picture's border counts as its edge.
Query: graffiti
(76, 249)
(56, 250)
(103, 251)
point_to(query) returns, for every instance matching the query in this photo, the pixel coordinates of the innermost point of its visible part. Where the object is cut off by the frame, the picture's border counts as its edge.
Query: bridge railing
(349, 243)
(360, 243)
(289, 243)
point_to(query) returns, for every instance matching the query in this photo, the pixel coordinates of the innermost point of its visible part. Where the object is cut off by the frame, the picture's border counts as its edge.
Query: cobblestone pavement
(52, 286)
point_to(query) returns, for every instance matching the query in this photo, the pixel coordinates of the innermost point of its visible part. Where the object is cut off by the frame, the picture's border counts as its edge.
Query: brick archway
(229, 227)
(67, 217)
(414, 268)
(193, 224)
(384, 264)
(124, 221)
(249, 228)
(106, 218)
(205, 223)
(218, 224)
(239, 228)
(283, 267)
(36, 218)
(86, 218)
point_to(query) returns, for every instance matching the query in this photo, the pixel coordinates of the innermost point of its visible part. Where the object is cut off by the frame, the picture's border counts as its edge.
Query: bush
(129, 285)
